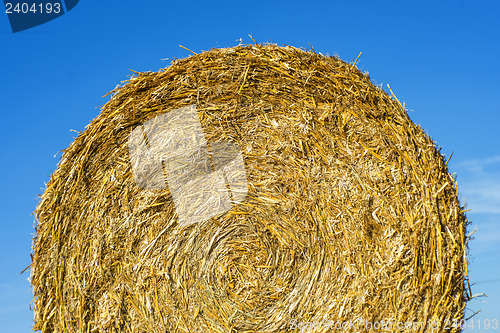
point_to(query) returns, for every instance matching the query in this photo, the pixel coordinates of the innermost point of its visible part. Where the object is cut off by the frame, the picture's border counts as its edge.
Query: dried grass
(351, 212)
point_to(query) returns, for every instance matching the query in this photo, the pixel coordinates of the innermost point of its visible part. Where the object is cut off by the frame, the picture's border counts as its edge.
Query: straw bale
(350, 212)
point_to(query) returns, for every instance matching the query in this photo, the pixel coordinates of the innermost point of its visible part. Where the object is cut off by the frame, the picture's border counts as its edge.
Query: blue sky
(440, 58)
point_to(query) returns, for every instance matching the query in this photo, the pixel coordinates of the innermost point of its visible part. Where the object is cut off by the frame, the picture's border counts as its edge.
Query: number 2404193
(35, 8)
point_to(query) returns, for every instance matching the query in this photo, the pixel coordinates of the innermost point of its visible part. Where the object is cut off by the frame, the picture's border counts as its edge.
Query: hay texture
(350, 214)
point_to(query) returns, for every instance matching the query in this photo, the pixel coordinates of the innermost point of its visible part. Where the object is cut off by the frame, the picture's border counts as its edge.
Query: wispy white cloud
(479, 165)
(481, 196)
(486, 239)
(479, 184)
(479, 188)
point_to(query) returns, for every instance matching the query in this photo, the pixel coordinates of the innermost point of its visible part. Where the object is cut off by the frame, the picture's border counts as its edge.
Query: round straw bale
(347, 213)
